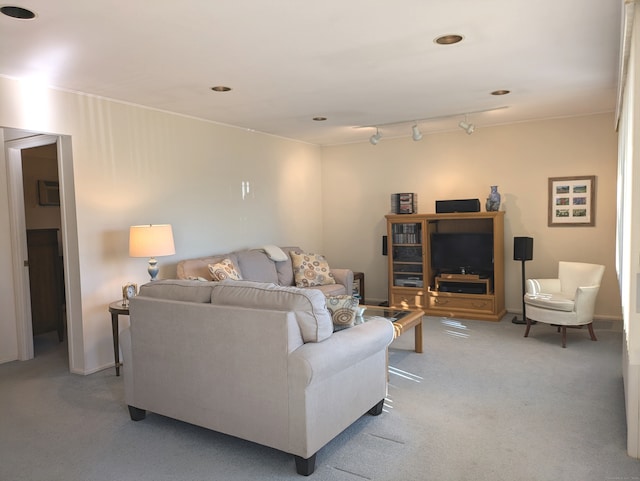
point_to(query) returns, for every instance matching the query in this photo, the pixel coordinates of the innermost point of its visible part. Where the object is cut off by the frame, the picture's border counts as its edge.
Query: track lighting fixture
(466, 126)
(416, 134)
(375, 138)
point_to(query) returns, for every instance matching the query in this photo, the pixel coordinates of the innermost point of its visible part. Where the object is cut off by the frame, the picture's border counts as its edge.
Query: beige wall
(359, 178)
(134, 166)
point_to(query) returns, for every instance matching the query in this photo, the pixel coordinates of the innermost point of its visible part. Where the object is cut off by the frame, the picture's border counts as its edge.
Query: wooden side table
(117, 309)
(359, 277)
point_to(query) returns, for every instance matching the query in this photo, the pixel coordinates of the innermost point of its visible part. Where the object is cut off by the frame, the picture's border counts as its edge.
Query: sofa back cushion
(256, 266)
(309, 305)
(285, 268)
(178, 290)
(193, 268)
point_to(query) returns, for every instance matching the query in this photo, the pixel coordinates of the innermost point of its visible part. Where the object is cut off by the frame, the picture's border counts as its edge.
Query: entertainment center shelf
(449, 265)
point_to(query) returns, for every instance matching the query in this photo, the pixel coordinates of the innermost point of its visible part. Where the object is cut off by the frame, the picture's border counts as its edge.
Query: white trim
(13, 149)
(17, 221)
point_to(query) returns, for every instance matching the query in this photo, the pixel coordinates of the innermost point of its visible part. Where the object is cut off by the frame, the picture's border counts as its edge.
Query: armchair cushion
(556, 301)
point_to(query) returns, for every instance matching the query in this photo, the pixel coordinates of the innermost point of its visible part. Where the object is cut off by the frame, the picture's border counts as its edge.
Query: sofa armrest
(344, 277)
(315, 361)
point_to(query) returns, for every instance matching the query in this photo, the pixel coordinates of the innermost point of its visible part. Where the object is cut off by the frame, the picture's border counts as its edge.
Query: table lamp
(151, 241)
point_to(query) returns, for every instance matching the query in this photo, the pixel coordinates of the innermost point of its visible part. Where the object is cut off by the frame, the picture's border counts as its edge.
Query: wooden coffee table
(402, 319)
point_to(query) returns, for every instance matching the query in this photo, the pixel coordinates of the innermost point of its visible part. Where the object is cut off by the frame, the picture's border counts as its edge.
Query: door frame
(24, 329)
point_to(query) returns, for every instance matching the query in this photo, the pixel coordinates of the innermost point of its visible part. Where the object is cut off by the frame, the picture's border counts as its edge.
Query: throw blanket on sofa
(274, 253)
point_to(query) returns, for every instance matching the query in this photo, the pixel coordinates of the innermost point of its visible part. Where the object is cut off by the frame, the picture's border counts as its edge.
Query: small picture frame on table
(572, 201)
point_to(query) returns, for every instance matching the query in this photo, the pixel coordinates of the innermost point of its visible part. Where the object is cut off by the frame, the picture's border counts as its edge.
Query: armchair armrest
(585, 302)
(540, 286)
(315, 361)
(344, 277)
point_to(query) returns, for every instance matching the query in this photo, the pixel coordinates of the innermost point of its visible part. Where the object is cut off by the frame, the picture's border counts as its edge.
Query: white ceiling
(356, 62)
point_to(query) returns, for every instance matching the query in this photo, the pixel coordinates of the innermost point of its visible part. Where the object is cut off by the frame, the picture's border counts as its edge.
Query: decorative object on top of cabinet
(447, 279)
(493, 201)
(404, 203)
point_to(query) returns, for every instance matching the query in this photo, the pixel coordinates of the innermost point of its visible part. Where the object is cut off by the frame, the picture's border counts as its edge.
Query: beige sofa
(253, 360)
(256, 265)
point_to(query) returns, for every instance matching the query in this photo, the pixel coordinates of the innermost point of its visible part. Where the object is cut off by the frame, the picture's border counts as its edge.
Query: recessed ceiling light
(17, 12)
(220, 88)
(501, 92)
(448, 39)
(319, 119)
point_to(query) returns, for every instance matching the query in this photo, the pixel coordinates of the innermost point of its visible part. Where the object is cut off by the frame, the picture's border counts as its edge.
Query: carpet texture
(481, 403)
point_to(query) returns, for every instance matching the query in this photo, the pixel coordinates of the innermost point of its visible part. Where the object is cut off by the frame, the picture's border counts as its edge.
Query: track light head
(415, 133)
(375, 138)
(467, 127)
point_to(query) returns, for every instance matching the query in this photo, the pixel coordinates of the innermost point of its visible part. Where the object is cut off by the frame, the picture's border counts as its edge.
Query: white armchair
(568, 301)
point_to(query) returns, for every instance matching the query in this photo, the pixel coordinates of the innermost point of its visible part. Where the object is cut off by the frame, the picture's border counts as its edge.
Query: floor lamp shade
(152, 240)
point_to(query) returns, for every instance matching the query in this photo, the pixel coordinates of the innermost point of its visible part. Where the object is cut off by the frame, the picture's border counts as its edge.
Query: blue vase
(493, 201)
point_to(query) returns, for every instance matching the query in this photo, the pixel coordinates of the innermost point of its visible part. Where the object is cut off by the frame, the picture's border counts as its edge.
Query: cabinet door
(407, 254)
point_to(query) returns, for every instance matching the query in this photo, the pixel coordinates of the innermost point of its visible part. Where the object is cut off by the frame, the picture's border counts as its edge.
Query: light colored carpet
(481, 403)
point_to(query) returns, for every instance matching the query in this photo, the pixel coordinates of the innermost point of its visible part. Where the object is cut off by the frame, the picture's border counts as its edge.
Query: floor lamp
(522, 251)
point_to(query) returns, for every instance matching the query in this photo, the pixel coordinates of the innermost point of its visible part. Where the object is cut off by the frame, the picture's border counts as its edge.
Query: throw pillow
(311, 270)
(343, 311)
(224, 270)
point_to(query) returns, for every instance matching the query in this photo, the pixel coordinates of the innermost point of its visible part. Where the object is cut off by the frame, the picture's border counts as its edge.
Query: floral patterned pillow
(343, 311)
(311, 270)
(224, 270)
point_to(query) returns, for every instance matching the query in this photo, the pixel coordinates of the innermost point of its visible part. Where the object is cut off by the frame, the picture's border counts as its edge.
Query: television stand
(477, 294)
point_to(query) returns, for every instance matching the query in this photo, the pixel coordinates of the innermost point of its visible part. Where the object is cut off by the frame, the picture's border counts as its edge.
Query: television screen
(453, 252)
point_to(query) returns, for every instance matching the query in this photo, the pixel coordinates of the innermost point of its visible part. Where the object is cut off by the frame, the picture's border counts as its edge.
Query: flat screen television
(455, 252)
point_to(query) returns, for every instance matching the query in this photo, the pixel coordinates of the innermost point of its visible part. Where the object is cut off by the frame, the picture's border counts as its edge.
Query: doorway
(40, 185)
(16, 143)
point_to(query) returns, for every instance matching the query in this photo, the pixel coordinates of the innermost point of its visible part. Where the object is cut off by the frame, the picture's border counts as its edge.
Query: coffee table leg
(418, 335)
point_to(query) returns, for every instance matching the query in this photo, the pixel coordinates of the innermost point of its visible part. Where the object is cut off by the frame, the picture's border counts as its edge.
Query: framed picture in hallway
(48, 192)
(572, 201)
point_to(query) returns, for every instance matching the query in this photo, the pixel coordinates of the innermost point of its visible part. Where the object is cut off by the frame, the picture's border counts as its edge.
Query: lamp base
(153, 269)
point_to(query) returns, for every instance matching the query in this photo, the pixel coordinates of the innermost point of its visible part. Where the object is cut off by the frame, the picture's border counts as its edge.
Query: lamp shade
(151, 240)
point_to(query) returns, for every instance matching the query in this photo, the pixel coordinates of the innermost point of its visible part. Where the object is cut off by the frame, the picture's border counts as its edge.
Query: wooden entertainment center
(460, 292)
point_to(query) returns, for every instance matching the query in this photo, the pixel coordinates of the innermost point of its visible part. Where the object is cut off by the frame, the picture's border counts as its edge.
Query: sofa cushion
(285, 268)
(178, 290)
(223, 270)
(200, 267)
(309, 305)
(256, 266)
(343, 310)
(311, 269)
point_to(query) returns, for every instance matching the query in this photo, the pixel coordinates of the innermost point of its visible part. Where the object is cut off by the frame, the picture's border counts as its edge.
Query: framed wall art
(48, 192)
(572, 201)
